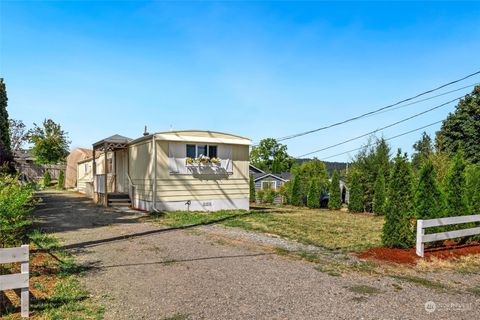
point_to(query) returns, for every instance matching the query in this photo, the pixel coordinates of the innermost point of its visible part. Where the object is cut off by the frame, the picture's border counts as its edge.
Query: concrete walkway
(141, 271)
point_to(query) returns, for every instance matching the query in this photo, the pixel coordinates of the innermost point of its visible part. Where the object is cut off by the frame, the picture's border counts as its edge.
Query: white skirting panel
(195, 205)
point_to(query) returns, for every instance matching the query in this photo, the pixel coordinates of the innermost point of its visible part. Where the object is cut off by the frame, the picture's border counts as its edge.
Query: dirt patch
(448, 251)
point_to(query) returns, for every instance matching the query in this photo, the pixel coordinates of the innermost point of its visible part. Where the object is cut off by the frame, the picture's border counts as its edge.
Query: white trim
(270, 175)
(261, 171)
(268, 181)
(186, 139)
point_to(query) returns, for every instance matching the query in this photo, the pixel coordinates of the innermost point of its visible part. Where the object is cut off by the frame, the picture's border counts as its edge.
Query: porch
(111, 183)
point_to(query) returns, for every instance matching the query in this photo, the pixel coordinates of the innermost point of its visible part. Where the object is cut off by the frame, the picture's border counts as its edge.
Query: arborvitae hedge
(399, 209)
(296, 197)
(455, 188)
(355, 203)
(429, 200)
(313, 197)
(61, 180)
(335, 200)
(379, 194)
(252, 189)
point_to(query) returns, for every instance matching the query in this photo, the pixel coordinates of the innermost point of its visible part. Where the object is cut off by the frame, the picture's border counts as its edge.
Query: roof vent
(145, 132)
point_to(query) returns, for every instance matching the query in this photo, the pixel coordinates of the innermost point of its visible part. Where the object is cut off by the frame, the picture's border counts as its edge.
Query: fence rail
(17, 280)
(422, 238)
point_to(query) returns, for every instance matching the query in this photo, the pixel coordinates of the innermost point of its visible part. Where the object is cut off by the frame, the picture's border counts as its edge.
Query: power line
(394, 137)
(379, 129)
(377, 110)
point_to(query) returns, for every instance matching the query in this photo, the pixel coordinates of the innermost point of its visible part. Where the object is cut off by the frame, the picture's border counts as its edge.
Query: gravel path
(141, 271)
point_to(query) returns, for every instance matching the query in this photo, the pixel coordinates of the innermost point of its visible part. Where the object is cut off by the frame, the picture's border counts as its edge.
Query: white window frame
(201, 144)
(269, 181)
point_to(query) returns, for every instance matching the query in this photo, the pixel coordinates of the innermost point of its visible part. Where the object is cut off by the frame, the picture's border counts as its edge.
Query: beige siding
(182, 187)
(140, 169)
(84, 175)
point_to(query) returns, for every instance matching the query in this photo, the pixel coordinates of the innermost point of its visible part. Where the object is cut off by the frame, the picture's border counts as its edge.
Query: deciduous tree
(50, 142)
(271, 156)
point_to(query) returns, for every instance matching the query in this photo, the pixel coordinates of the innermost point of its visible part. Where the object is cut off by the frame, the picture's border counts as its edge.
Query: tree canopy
(271, 156)
(18, 134)
(423, 151)
(461, 129)
(50, 142)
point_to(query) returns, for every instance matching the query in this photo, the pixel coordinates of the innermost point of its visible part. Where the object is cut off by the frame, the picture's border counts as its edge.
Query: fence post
(24, 300)
(420, 233)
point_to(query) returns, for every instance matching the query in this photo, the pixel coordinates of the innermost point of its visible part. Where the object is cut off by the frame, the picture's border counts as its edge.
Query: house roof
(201, 136)
(116, 138)
(284, 176)
(23, 154)
(255, 169)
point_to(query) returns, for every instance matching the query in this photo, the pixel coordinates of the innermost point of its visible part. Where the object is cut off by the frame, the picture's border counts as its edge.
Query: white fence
(423, 224)
(18, 280)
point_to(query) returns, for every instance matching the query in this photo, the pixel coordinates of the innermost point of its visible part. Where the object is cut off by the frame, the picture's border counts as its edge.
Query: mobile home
(175, 170)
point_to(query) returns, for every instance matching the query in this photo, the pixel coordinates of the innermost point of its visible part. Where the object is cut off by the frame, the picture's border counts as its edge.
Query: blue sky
(257, 69)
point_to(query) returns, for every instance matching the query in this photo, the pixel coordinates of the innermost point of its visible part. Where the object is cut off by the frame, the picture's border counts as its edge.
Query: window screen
(212, 151)
(202, 150)
(191, 151)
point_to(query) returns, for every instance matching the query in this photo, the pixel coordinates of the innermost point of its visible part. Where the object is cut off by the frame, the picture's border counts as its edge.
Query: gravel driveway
(141, 271)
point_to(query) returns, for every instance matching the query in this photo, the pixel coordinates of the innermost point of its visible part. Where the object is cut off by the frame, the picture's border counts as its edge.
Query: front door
(120, 171)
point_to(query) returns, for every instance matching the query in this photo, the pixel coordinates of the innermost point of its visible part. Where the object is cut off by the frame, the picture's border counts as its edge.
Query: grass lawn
(324, 228)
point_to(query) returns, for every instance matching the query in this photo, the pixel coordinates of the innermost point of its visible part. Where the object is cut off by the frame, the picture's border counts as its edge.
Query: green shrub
(355, 203)
(296, 196)
(399, 210)
(379, 195)
(61, 180)
(47, 179)
(335, 200)
(252, 189)
(313, 196)
(15, 204)
(269, 196)
(260, 195)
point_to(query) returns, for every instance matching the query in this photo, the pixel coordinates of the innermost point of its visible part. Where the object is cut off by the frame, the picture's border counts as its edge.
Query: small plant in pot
(204, 159)
(189, 160)
(215, 161)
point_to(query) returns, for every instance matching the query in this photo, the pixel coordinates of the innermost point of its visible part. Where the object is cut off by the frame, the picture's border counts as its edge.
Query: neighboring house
(76, 155)
(264, 180)
(158, 171)
(31, 171)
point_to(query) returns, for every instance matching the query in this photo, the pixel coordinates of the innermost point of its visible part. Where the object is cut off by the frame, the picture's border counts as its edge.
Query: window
(212, 151)
(202, 150)
(269, 185)
(194, 151)
(191, 151)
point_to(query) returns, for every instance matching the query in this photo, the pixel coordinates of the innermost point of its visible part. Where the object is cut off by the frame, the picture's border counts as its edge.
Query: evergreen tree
(313, 197)
(473, 188)
(61, 180)
(47, 179)
(6, 156)
(252, 189)
(399, 209)
(296, 197)
(355, 203)
(423, 151)
(461, 129)
(335, 201)
(429, 200)
(379, 195)
(455, 188)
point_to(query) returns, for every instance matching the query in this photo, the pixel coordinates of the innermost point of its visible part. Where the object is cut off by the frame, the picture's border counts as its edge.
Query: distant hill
(330, 165)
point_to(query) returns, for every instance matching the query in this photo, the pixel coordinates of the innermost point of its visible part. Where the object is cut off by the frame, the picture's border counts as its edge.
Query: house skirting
(195, 205)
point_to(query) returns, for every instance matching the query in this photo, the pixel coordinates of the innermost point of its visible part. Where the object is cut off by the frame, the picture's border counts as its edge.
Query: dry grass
(333, 230)
(467, 264)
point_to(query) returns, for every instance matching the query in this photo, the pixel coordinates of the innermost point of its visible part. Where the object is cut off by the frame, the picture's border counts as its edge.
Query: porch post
(105, 152)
